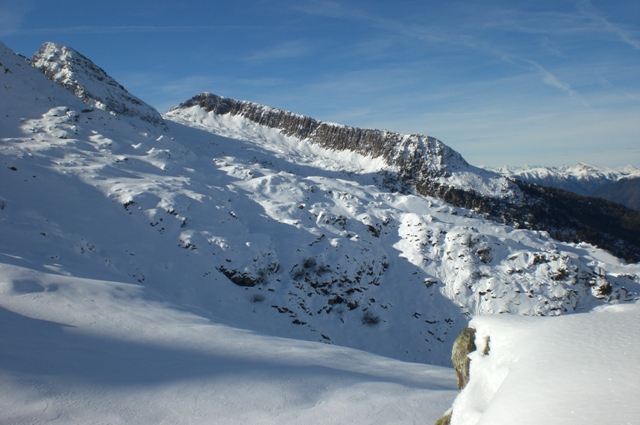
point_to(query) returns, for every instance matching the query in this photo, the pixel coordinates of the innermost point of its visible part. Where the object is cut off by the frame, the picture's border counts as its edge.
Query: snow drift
(576, 369)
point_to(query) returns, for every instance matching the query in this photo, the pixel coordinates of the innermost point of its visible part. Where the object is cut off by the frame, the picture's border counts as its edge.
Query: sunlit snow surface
(575, 369)
(85, 351)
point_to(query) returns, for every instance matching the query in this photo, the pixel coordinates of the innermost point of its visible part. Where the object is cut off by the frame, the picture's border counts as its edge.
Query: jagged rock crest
(415, 157)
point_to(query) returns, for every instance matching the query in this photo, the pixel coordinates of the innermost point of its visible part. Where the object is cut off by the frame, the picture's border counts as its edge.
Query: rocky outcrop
(91, 83)
(415, 157)
(463, 345)
(445, 420)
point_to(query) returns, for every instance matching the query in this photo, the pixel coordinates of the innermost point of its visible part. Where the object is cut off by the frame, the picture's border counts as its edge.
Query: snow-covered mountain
(278, 232)
(82, 77)
(427, 166)
(412, 157)
(261, 220)
(620, 185)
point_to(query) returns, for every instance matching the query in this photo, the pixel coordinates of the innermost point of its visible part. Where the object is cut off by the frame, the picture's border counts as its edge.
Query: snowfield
(206, 269)
(86, 351)
(575, 369)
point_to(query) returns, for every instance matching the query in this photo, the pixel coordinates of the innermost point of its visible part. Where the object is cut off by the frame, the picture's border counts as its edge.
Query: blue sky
(502, 82)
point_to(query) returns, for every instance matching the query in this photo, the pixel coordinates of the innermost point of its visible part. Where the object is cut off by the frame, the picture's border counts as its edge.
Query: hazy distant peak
(615, 184)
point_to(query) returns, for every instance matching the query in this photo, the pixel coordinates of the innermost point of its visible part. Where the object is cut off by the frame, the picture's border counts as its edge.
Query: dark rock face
(240, 279)
(91, 83)
(416, 157)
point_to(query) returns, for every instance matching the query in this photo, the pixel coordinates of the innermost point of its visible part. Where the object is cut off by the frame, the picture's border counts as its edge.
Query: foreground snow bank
(576, 369)
(78, 351)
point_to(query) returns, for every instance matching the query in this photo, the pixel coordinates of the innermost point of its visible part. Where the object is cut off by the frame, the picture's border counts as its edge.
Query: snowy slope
(220, 221)
(576, 369)
(266, 234)
(87, 351)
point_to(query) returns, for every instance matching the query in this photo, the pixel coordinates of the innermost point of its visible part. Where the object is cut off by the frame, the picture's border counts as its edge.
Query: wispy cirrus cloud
(584, 20)
(476, 25)
(554, 81)
(287, 50)
(543, 23)
(551, 79)
(88, 29)
(333, 9)
(479, 32)
(629, 37)
(12, 15)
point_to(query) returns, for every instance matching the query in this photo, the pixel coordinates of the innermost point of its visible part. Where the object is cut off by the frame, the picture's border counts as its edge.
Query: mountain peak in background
(621, 185)
(91, 83)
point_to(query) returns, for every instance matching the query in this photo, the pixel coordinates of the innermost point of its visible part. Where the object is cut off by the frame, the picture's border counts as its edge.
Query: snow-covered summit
(91, 83)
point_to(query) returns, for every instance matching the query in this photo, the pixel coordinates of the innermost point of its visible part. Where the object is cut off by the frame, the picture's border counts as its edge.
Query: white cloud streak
(553, 80)
(12, 14)
(627, 36)
(86, 29)
(288, 50)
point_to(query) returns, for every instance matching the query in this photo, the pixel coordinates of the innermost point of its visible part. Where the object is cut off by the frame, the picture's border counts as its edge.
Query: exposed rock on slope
(415, 158)
(463, 345)
(86, 80)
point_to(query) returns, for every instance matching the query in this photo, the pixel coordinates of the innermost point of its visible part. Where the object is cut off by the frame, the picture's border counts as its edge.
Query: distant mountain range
(621, 185)
(286, 225)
